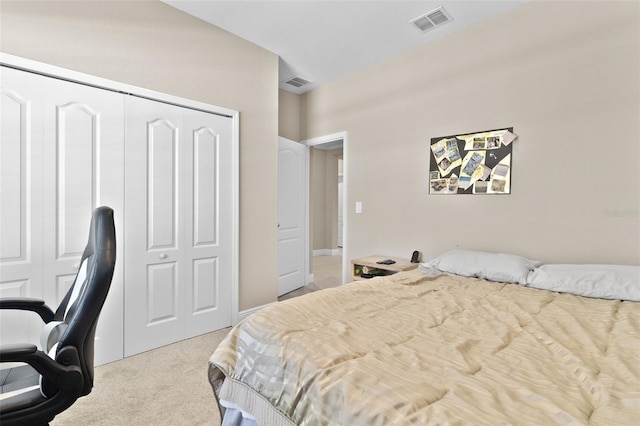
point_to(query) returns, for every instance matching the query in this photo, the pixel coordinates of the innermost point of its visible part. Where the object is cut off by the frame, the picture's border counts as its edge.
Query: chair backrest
(69, 339)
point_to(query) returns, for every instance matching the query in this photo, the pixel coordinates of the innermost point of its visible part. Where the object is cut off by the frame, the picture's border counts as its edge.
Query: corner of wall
(289, 115)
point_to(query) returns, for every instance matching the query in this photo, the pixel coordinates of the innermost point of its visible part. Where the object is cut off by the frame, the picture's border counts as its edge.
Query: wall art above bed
(474, 163)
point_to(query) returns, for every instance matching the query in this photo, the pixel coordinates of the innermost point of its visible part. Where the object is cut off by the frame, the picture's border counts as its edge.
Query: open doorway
(327, 224)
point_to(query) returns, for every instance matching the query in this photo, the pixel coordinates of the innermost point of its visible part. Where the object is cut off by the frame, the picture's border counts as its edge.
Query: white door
(83, 169)
(208, 247)
(292, 190)
(20, 201)
(62, 150)
(178, 223)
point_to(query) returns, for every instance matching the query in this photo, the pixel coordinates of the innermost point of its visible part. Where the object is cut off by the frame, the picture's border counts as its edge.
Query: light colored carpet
(165, 386)
(169, 385)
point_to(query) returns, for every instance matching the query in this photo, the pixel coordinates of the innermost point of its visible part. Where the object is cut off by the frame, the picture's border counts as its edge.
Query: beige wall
(323, 176)
(289, 115)
(565, 81)
(152, 45)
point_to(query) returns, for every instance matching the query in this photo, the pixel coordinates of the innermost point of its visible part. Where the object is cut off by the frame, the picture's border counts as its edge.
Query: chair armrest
(64, 377)
(28, 304)
(16, 352)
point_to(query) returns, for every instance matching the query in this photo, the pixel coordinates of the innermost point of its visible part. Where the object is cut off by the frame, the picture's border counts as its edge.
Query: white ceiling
(324, 40)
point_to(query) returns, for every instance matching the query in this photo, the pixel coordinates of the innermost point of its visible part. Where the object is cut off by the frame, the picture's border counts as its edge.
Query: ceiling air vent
(431, 20)
(297, 82)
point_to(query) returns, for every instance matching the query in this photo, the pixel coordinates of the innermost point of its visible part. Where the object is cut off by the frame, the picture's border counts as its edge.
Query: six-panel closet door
(177, 198)
(62, 147)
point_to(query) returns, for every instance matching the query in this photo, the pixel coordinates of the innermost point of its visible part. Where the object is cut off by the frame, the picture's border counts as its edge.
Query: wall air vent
(430, 20)
(297, 81)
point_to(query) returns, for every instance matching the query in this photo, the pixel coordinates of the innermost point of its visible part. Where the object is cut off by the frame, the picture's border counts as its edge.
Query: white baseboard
(310, 279)
(244, 314)
(326, 252)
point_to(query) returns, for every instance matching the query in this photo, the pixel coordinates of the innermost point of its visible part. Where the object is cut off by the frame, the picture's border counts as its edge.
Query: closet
(166, 169)
(177, 216)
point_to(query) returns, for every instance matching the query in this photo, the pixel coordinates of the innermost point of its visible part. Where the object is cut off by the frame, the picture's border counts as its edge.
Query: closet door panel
(83, 149)
(205, 161)
(76, 145)
(162, 291)
(14, 175)
(208, 152)
(154, 312)
(162, 185)
(20, 200)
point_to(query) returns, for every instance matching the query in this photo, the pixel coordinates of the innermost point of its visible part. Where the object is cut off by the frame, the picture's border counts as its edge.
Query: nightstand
(370, 264)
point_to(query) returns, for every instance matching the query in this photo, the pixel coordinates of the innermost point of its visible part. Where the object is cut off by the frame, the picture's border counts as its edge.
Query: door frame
(321, 140)
(49, 70)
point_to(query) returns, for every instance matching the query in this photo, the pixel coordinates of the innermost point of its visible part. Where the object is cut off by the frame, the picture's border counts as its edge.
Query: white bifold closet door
(166, 170)
(178, 207)
(61, 156)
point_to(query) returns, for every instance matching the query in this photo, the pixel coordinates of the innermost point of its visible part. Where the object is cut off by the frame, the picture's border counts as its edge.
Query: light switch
(358, 206)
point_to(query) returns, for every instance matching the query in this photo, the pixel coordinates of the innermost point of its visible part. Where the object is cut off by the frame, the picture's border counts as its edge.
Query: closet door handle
(163, 256)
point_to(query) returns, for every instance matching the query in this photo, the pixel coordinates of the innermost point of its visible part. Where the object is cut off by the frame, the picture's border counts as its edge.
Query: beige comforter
(412, 350)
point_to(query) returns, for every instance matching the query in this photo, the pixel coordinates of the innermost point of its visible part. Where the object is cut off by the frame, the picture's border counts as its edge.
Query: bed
(467, 338)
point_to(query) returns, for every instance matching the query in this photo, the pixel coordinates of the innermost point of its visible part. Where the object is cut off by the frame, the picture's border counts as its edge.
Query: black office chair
(56, 376)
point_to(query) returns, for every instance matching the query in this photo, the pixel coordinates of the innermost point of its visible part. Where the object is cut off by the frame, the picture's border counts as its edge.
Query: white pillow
(618, 282)
(506, 268)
